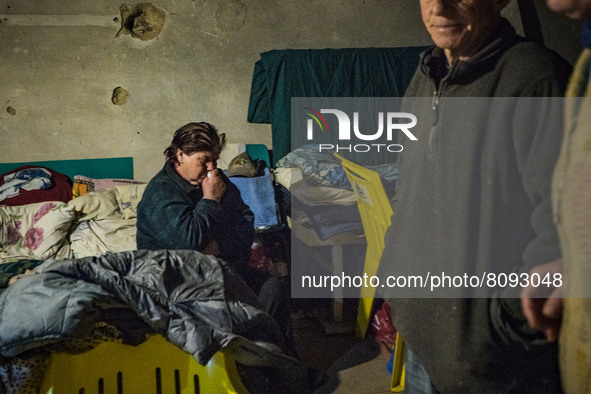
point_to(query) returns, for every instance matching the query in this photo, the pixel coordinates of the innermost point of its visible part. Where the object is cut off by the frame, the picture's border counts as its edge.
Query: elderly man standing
(476, 194)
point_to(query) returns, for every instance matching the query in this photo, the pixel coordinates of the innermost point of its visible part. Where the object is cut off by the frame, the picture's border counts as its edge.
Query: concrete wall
(60, 61)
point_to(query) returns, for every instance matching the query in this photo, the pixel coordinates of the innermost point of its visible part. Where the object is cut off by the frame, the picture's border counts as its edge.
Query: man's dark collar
(434, 59)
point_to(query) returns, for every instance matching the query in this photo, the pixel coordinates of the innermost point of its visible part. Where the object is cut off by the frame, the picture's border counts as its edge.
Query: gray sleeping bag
(194, 300)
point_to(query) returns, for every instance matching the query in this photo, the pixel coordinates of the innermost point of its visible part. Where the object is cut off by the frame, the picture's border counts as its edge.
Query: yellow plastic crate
(376, 212)
(155, 366)
(397, 384)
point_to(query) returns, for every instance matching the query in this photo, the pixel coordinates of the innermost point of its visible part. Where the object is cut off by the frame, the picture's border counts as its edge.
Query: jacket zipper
(435, 106)
(431, 146)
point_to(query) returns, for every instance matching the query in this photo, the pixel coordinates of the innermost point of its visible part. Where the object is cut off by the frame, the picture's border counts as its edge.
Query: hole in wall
(143, 21)
(230, 16)
(120, 96)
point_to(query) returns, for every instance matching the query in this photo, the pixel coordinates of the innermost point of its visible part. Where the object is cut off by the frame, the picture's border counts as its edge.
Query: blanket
(195, 301)
(28, 179)
(280, 75)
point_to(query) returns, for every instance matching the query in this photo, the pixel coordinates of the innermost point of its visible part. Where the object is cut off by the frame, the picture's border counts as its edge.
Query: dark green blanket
(351, 72)
(8, 270)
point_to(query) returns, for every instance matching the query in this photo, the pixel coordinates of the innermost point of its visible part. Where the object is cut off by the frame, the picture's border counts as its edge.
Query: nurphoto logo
(387, 122)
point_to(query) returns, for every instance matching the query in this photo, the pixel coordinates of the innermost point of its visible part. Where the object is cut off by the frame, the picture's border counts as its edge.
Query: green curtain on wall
(280, 75)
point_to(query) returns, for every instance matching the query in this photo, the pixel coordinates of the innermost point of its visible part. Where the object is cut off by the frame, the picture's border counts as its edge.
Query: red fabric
(381, 327)
(60, 190)
(270, 252)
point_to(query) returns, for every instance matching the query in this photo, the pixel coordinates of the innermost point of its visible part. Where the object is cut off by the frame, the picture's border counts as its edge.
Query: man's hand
(542, 305)
(213, 186)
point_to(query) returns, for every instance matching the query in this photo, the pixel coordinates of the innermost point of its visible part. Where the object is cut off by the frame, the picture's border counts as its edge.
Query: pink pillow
(83, 184)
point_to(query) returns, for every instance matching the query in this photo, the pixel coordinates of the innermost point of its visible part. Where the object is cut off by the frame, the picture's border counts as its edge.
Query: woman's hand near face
(213, 186)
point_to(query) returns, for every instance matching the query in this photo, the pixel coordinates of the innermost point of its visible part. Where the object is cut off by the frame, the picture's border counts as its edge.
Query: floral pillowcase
(35, 231)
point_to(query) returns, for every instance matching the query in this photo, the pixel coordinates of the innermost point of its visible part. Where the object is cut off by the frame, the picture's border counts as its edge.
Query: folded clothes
(258, 193)
(329, 220)
(324, 169)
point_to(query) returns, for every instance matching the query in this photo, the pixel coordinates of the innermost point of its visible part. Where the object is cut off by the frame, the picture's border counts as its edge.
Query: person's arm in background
(542, 306)
(538, 126)
(543, 309)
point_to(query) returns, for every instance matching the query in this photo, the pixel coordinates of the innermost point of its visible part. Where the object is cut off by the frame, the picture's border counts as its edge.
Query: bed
(87, 271)
(51, 223)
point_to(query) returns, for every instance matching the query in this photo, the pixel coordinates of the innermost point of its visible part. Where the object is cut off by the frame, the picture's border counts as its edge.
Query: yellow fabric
(579, 85)
(572, 207)
(79, 189)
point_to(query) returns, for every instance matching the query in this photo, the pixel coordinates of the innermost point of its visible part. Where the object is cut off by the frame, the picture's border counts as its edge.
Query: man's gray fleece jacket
(473, 197)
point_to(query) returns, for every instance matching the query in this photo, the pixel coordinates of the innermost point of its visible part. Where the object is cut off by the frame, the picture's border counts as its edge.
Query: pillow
(83, 184)
(128, 198)
(60, 189)
(120, 202)
(35, 230)
(106, 220)
(96, 205)
(96, 237)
